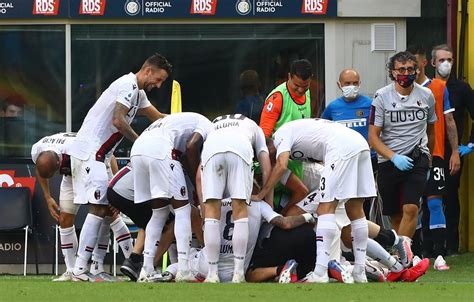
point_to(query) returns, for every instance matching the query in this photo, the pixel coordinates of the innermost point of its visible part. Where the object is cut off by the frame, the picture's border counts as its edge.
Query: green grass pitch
(454, 285)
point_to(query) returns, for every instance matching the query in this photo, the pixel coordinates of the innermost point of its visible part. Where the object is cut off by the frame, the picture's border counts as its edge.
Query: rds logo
(316, 7)
(92, 7)
(203, 7)
(46, 7)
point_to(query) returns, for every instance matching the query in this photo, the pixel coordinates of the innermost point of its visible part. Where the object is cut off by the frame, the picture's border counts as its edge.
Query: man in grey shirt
(402, 133)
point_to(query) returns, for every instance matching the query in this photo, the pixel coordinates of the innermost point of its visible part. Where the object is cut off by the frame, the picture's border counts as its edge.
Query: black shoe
(131, 269)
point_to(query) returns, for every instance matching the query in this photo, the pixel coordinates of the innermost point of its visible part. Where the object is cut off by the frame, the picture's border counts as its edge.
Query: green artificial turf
(456, 285)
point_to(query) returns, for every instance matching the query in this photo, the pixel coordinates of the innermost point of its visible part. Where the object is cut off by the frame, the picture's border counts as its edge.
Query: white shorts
(158, 178)
(227, 175)
(312, 175)
(66, 197)
(310, 203)
(349, 178)
(89, 181)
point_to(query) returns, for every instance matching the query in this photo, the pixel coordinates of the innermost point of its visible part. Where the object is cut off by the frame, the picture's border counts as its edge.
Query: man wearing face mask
(433, 218)
(462, 99)
(401, 131)
(351, 109)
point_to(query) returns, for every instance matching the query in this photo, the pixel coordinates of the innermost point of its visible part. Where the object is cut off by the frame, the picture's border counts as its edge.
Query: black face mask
(406, 80)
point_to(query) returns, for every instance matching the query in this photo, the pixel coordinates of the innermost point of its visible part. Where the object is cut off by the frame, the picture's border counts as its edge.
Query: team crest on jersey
(183, 191)
(97, 194)
(360, 113)
(269, 106)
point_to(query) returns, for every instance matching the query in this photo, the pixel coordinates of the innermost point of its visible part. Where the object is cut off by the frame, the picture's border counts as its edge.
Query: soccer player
(159, 179)
(227, 169)
(346, 178)
(106, 123)
(258, 213)
(288, 102)
(434, 221)
(402, 132)
(51, 154)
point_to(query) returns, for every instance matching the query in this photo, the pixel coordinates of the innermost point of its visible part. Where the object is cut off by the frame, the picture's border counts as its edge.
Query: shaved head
(349, 76)
(47, 164)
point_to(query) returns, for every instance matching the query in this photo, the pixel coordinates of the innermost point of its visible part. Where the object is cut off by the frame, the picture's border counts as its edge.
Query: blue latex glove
(464, 150)
(402, 162)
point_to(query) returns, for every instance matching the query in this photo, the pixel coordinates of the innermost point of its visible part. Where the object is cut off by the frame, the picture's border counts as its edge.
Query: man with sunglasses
(401, 131)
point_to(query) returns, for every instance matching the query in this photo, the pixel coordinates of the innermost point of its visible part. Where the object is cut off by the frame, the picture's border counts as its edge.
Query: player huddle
(196, 182)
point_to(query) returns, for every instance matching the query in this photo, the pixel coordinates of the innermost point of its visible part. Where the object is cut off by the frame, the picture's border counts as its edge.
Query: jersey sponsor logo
(315, 7)
(407, 115)
(46, 7)
(203, 7)
(92, 7)
(354, 123)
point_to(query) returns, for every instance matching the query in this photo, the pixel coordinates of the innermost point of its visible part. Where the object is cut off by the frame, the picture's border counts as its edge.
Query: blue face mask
(406, 80)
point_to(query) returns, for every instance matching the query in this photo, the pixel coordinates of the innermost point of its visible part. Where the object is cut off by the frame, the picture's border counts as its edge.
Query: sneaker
(404, 250)
(163, 277)
(358, 274)
(131, 269)
(395, 276)
(83, 276)
(288, 272)
(416, 260)
(184, 276)
(104, 277)
(312, 277)
(238, 278)
(146, 277)
(440, 264)
(66, 276)
(412, 274)
(338, 272)
(373, 273)
(214, 278)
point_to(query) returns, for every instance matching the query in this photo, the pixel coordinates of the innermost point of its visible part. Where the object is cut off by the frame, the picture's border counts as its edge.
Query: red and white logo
(203, 7)
(46, 7)
(315, 7)
(92, 7)
(8, 179)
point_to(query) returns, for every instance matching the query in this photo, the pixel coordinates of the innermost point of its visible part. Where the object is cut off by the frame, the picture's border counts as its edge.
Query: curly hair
(402, 57)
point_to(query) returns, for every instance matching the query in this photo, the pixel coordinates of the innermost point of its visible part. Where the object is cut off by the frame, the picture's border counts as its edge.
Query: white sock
(123, 236)
(378, 253)
(325, 232)
(100, 250)
(69, 246)
(152, 236)
(360, 234)
(212, 243)
(173, 253)
(87, 242)
(240, 238)
(182, 233)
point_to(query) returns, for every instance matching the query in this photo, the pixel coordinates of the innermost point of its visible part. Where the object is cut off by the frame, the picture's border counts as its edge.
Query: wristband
(308, 218)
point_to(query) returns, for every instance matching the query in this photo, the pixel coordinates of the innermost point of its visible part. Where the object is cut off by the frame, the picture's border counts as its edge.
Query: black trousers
(452, 208)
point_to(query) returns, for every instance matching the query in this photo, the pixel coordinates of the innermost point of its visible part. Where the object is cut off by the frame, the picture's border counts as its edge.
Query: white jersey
(258, 212)
(237, 134)
(60, 143)
(97, 135)
(171, 132)
(318, 140)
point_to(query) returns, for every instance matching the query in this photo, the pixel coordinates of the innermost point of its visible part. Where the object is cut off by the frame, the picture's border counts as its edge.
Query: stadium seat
(15, 214)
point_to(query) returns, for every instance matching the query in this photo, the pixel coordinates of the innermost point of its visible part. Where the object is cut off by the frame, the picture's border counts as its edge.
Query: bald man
(351, 109)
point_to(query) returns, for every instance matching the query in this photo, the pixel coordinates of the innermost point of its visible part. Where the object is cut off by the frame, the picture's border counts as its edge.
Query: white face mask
(444, 69)
(350, 92)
